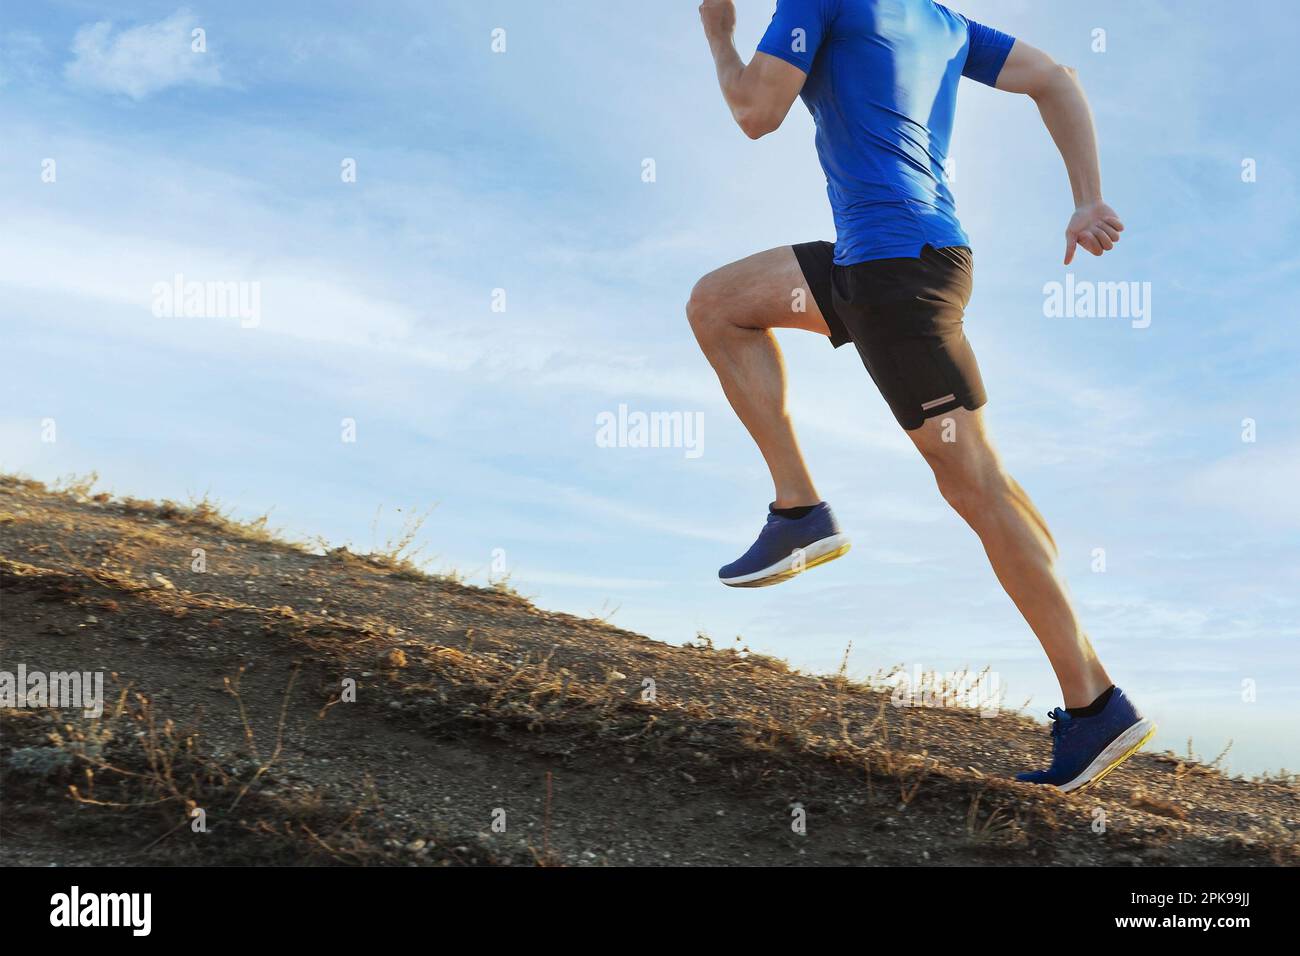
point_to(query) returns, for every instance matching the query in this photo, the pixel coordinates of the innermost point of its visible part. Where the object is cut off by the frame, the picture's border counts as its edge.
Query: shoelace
(773, 525)
(1060, 719)
(769, 528)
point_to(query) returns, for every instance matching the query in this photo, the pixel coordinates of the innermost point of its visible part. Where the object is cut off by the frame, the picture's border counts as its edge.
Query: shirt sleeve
(987, 51)
(797, 31)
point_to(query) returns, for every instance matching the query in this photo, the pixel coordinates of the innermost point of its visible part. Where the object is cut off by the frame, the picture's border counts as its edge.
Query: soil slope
(487, 731)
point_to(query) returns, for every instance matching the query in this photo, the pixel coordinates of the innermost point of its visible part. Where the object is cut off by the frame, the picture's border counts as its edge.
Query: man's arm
(760, 94)
(1064, 108)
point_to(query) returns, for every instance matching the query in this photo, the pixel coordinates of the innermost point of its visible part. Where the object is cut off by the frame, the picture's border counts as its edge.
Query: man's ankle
(1095, 707)
(802, 500)
(795, 513)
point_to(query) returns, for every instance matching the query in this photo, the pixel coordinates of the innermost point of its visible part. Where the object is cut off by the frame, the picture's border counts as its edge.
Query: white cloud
(140, 61)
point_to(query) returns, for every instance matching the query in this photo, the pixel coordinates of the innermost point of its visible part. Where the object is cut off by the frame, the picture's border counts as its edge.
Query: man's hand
(1095, 226)
(719, 18)
(1064, 108)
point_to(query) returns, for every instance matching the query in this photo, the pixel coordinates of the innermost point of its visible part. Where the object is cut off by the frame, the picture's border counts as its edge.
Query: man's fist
(718, 17)
(1095, 226)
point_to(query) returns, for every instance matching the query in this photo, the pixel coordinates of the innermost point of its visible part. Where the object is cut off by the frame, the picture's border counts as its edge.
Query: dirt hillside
(485, 730)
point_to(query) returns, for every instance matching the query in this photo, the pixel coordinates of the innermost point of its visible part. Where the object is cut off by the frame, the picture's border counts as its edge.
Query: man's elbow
(1054, 78)
(757, 123)
(1066, 74)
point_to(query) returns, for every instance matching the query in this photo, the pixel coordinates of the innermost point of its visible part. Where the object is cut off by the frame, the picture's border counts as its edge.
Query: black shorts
(905, 317)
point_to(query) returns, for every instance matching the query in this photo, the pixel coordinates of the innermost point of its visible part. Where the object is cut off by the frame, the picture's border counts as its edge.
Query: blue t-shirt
(882, 89)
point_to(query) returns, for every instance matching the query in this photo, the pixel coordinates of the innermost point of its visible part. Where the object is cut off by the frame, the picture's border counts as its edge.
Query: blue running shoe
(1085, 749)
(786, 547)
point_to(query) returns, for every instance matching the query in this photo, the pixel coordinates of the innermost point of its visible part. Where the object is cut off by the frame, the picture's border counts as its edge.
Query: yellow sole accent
(787, 575)
(1117, 761)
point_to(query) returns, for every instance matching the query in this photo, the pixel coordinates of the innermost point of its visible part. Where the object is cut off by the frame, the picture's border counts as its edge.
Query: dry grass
(484, 662)
(140, 770)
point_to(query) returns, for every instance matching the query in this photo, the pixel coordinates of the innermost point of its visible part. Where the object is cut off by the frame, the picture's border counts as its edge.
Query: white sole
(796, 562)
(1117, 751)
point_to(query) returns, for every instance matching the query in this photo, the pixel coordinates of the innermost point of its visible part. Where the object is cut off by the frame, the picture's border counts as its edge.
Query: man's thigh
(767, 290)
(905, 315)
(956, 443)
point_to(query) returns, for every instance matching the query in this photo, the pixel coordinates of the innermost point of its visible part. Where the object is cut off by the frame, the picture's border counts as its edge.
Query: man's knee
(706, 309)
(971, 484)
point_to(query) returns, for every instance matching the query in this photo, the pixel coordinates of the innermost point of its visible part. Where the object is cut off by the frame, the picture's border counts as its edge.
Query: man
(880, 79)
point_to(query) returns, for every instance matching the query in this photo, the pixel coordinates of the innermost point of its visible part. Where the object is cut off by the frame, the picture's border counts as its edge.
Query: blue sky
(522, 171)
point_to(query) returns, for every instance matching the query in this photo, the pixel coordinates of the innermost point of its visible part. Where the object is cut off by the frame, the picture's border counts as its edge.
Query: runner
(880, 79)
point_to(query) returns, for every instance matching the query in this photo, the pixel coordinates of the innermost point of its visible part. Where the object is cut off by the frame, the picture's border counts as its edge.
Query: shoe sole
(819, 552)
(1116, 752)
